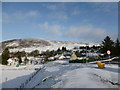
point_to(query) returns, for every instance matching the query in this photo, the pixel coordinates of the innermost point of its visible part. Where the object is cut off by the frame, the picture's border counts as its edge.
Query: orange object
(101, 65)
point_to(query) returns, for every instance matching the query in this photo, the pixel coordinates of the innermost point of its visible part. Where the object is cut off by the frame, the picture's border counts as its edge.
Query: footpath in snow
(61, 74)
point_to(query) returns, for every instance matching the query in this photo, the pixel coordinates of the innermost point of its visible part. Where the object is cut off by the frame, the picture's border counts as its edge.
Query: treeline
(46, 54)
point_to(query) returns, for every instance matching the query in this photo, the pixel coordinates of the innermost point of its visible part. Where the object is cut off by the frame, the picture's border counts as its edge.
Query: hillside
(29, 45)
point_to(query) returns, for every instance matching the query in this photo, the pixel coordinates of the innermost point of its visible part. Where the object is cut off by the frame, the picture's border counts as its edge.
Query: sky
(62, 21)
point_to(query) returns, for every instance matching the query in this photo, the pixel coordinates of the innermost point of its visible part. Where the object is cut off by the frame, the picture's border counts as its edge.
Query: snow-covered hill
(29, 45)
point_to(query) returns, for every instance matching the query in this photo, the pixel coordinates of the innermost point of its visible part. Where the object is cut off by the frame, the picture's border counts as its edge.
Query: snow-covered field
(61, 74)
(13, 76)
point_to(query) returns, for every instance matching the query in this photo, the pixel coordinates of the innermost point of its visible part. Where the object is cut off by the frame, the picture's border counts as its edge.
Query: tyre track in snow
(106, 80)
(44, 76)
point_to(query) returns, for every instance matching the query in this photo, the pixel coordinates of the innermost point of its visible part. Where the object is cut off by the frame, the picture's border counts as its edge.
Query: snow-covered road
(61, 74)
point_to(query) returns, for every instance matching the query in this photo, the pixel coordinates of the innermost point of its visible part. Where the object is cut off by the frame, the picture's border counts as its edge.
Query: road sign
(108, 52)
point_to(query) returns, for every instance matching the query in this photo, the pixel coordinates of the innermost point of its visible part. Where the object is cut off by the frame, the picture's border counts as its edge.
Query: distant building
(62, 57)
(51, 58)
(73, 57)
(11, 61)
(57, 56)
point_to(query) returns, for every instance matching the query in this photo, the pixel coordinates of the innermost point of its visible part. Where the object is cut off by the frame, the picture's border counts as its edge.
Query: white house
(11, 61)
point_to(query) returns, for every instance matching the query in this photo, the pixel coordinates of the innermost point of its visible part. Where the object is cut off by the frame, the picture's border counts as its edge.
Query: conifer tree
(107, 44)
(5, 56)
(117, 48)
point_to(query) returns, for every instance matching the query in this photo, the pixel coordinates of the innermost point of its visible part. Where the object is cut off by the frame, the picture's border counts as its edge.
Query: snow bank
(13, 76)
(61, 61)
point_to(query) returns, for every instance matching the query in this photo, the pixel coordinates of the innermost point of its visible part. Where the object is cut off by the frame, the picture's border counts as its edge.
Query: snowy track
(61, 74)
